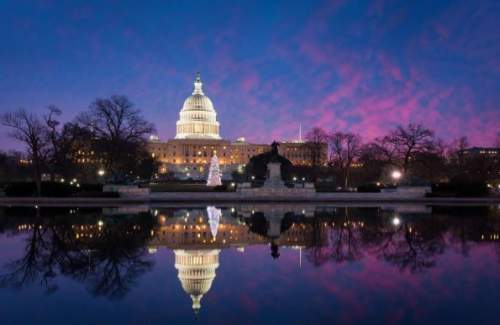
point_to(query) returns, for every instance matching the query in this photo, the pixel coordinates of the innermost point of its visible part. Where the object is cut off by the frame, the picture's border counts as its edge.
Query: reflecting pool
(248, 264)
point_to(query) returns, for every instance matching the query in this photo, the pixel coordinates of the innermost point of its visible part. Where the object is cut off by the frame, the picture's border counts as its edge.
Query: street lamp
(101, 172)
(396, 221)
(396, 176)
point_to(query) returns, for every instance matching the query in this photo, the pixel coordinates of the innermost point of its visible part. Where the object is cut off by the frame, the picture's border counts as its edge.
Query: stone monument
(274, 186)
(273, 178)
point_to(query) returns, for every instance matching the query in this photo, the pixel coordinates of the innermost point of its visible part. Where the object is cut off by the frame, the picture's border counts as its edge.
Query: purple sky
(361, 66)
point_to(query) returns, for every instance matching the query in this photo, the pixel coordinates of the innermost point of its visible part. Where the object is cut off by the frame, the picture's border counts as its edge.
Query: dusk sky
(360, 66)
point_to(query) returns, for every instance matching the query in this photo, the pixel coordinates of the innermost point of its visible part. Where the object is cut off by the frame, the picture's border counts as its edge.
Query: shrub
(55, 189)
(49, 189)
(20, 189)
(461, 188)
(368, 188)
(326, 187)
(220, 188)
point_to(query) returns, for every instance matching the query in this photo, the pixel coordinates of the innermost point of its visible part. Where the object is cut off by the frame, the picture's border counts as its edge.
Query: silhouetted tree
(345, 149)
(11, 169)
(316, 142)
(119, 133)
(410, 141)
(32, 132)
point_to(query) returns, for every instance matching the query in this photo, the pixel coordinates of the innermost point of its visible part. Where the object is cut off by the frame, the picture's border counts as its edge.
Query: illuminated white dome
(197, 119)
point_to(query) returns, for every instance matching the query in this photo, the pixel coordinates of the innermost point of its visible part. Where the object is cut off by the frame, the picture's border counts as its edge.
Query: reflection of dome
(196, 272)
(197, 119)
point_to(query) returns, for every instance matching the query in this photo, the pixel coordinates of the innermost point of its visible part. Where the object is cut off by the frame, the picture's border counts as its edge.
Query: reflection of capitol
(198, 235)
(196, 272)
(218, 229)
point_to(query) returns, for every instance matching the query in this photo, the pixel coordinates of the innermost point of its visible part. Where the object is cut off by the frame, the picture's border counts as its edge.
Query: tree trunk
(38, 178)
(346, 178)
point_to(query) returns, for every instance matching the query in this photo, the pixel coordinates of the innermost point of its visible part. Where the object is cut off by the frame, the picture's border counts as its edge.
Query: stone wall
(127, 190)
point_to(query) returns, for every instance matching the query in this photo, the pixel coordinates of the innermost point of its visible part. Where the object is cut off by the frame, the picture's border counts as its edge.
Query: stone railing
(127, 190)
(246, 190)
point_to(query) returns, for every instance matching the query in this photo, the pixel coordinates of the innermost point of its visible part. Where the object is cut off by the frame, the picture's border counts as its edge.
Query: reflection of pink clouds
(356, 287)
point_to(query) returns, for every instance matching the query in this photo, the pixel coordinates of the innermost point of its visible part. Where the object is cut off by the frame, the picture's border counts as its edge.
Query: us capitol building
(198, 138)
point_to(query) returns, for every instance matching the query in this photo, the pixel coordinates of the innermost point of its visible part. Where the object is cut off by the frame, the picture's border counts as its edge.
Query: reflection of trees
(344, 241)
(35, 265)
(410, 248)
(108, 260)
(118, 259)
(412, 245)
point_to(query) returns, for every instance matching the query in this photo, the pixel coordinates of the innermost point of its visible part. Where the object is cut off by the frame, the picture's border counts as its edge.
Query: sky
(357, 66)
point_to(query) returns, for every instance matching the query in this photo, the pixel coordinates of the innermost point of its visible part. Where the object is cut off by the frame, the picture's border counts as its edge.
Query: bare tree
(31, 131)
(456, 152)
(345, 149)
(383, 149)
(316, 142)
(53, 137)
(119, 132)
(64, 140)
(410, 141)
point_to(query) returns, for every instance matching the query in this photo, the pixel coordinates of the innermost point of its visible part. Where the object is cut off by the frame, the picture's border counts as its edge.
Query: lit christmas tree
(214, 173)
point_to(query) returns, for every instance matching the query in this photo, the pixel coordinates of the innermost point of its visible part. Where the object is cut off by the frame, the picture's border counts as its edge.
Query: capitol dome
(197, 118)
(196, 272)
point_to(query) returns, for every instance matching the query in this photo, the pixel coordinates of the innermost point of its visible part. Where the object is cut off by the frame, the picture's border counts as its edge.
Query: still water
(250, 264)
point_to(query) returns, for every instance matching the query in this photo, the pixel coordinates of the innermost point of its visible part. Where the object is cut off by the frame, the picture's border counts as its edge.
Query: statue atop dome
(198, 85)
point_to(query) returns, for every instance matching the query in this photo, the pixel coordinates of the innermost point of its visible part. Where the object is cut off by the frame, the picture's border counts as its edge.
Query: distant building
(483, 151)
(198, 138)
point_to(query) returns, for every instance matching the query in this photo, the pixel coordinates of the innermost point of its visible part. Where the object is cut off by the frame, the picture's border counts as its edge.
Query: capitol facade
(197, 139)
